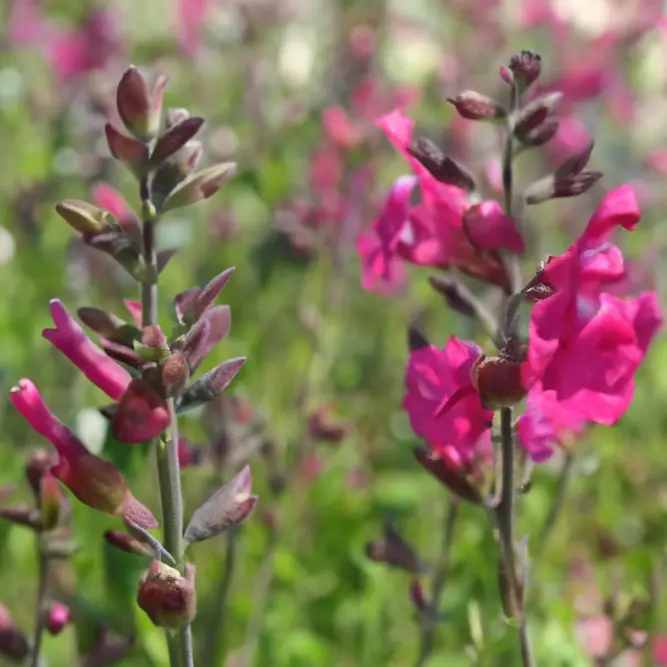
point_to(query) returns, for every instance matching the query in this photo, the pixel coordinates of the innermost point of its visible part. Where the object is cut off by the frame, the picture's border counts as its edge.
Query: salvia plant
(572, 365)
(150, 375)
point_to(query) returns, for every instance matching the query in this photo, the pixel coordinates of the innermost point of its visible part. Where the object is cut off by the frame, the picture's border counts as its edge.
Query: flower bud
(107, 325)
(211, 384)
(321, 426)
(457, 295)
(175, 374)
(394, 550)
(550, 187)
(131, 152)
(133, 99)
(498, 381)
(575, 163)
(452, 476)
(200, 186)
(13, 643)
(175, 138)
(167, 597)
(542, 134)
(58, 616)
(87, 219)
(475, 106)
(526, 68)
(51, 499)
(535, 114)
(39, 463)
(441, 167)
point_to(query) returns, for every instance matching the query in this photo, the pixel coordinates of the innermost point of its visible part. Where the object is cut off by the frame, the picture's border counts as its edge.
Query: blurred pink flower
(379, 248)
(58, 616)
(94, 481)
(190, 17)
(70, 339)
(443, 406)
(107, 197)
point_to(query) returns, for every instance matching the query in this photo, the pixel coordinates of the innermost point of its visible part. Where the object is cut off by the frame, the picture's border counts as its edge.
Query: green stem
(40, 612)
(169, 474)
(430, 617)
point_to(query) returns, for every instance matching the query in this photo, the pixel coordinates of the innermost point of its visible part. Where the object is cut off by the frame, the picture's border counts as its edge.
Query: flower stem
(40, 610)
(169, 474)
(429, 619)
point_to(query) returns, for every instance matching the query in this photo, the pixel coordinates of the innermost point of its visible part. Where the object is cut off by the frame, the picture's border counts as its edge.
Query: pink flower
(379, 249)
(71, 340)
(190, 16)
(94, 481)
(443, 406)
(586, 345)
(58, 617)
(108, 198)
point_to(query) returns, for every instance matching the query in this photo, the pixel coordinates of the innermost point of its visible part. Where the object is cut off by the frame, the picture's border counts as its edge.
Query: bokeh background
(290, 89)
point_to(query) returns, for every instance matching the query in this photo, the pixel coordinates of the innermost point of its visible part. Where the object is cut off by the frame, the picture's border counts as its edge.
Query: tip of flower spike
(139, 515)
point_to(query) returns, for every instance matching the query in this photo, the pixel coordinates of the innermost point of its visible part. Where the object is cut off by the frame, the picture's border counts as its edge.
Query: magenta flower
(107, 197)
(441, 401)
(94, 481)
(585, 345)
(379, 248)
(72, 341)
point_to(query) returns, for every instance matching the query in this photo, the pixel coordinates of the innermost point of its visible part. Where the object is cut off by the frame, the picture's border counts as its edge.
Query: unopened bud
(128, 150)
(106, 324)
(321, 426)
(175, 374)
(535, 114)
(457, 295)
(167, 597)
(13, 643)
(87, 219)
(526, 67)
(576, 184)
(394, 550)
(133, 99)
(175, 138)
(58, 617)
(498, 382)
(575, 163)
(452, 476)
(128, 543)
(441, 167)
(542, 134)
(475, 106)
(200, 186)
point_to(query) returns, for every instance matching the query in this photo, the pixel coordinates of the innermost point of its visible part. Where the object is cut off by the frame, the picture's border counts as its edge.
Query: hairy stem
(429, 619)
(40, 611)
(169, 474)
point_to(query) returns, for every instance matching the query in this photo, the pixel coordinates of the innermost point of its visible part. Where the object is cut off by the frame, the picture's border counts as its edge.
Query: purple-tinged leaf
(133, 99)
(184, 301)
(210, 293)
(107, 325)
(175, 138)
(200, 186)
(131, 152)
(122, 353)
(213, 326)
(230, 505)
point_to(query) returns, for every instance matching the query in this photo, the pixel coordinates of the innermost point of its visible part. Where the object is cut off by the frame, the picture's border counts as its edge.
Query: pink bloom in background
(94, 481)
(107, 197)
(379, 248)
(71, 340)
(58, 617)
(26, 25)
(585, 345)
(442, 404)
(190, 17)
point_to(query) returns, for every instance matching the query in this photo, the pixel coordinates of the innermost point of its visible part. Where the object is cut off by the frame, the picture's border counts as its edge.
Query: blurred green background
(303, 591)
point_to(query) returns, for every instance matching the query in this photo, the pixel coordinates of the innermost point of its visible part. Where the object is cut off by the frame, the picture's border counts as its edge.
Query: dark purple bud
(209, 294)
(441, 167)
(128, 543)
(141, 414)
(230, 505)
(541, 134)
(211, 385)
(174, 139)
(452, 477)
(475, 106)
(22, 515)
(577, 184)
(213, 326)
(394, 550)
(131, 152)
(576, 163)
(322, 426)
(133, 99)
(535, 114)
(526, 67)
(457, 295)
(119, 352)
(13, 643)
(175, 374)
